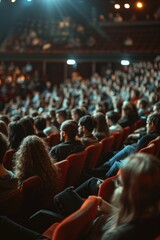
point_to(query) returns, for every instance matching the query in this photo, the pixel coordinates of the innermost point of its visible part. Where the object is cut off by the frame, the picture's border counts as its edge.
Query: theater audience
(86, 126)
(112, 118)
(28, 123)
(77, 113)
(129, 114)
(40, 125)
(153, 130)
(3, 128)
(32, 158)
(61, 116)
(134, 212)
(8, 181)
(16, 134)
(101, 130)
(69, 144)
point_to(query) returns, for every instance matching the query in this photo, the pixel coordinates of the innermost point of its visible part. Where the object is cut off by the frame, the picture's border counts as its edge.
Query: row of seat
(113, 143)
(152, 148)
(23, 202)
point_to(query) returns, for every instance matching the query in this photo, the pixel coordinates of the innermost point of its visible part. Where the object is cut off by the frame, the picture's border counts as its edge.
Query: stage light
(117, 6)
(139, 4)
(125, 62)
(126, 5)
(71, 62)
(13, 1)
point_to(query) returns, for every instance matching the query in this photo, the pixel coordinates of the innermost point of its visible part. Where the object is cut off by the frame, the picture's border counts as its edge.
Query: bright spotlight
(13, 1)
(139, 5)
(126, 5)
(125, 62)
(71, 62)
(117, 6)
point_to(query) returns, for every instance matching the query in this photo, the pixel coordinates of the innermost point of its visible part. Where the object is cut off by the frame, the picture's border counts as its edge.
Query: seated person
(102, 130)
(61, 116)
(135, 213)
(40, 124)
(86, 126)
(153, 130)
(129, 114)
(112, 118)
(8, 181)
(69, 144)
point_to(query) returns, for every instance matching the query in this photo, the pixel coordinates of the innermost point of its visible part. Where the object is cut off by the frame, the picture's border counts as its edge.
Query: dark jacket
(64, 149)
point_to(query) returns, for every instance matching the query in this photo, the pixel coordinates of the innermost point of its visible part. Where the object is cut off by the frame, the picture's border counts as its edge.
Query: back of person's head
(140, 188)
(3, 145)
(77, 113)
(113, 116)
(16, 133)
(32, 158)
(40, 123)
(155, 119)
(71, 128)
(3, 128)
(5, 119)
(88, 122)
(28, 125)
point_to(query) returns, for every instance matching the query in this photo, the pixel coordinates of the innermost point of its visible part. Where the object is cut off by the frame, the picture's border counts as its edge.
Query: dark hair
(155, 119)
(5, 119)
(62, 113)
(102, 125)
(3, 128)
(113, 116)
(28, 125)
(70, 127)
(88, 122)
(16, 133)
(4, 143)
(40, 123)
(79, 111)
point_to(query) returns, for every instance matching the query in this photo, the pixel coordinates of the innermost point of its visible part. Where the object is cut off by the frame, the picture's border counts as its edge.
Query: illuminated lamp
(139, 4)
(125, 62)
(117, 6)
(127, 5)
(71, 62)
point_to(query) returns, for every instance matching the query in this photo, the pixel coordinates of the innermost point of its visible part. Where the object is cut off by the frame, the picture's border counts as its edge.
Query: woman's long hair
(16, 134)
(102, 126)
(139, 197)
(32, 158)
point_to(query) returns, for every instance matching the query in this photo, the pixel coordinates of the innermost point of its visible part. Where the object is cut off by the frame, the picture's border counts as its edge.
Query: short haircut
(62, 113)
(113, 116)
(88, 122)
(70, 127)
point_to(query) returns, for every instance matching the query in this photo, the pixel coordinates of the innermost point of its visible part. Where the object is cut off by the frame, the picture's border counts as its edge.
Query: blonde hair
(140, 195)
